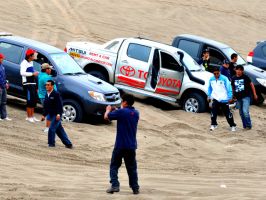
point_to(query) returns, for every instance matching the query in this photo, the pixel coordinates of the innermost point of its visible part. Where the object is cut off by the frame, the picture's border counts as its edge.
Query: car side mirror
(53, 73)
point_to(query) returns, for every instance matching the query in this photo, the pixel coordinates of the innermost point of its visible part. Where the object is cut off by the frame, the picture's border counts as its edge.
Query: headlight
(261, 81)
(97, 96)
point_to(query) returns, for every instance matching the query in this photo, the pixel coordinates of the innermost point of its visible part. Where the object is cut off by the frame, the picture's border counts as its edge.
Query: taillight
(251, 54)
(65, 49)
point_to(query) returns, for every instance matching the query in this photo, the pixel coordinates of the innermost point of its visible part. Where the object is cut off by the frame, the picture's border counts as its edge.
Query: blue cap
(226, 62)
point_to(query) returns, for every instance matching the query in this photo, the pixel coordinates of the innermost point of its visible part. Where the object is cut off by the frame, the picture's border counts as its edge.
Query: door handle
(124, 61)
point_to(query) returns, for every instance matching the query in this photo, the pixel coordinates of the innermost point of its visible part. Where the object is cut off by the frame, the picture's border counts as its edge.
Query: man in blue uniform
(54, 108)
(126, 143)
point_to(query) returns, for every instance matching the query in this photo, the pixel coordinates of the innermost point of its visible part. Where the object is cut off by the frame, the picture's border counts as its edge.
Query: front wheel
(72, 111)
(194, 102)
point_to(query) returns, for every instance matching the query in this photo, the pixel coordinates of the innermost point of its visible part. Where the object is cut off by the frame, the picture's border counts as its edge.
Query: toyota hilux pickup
(146, 68)
(82, 93)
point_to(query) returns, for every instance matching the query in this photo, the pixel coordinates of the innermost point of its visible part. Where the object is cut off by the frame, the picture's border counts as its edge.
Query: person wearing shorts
(29, 83)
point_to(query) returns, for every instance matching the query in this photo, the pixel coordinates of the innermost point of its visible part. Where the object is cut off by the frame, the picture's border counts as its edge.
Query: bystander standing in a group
(242, 88)
(233, 64)
(220, 93)
(224, 69)
(3, 93)
(54, 108)
(126, 143)
(205, 60)
(29, 83)
(43, 77)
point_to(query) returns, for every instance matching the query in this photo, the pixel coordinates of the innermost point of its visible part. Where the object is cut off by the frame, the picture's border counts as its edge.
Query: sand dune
(178, 158)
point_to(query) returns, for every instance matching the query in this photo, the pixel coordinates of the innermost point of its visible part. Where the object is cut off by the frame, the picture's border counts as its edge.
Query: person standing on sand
(3, 87)
(233, 64)
(220, 93)
(54, 108)
(126, 143)
(224, 69)
(242, 86)
(43, 77)
(29, 84)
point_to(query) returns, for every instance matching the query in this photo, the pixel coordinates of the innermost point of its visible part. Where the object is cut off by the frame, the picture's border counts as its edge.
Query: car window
(192, 48)
(39, 61)
(216, 57)
(138, 52)
(12, 52)
(66, 64)
(264, 50)
(169, 62)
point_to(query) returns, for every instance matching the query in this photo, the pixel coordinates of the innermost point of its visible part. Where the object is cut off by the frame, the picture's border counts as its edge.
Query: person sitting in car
(205, 60)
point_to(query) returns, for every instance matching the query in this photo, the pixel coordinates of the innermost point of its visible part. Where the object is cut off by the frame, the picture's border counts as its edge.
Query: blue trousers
(3, 103)
(56, 128)
(129, 156)
(243, 105)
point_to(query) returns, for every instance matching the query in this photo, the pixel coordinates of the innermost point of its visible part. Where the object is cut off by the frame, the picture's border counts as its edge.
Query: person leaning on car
(29, 83)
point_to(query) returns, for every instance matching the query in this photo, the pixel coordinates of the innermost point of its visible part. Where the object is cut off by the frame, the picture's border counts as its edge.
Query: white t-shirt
(26, 71)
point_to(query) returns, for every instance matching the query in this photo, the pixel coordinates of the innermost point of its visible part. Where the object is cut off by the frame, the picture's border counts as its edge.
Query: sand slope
(178, 158)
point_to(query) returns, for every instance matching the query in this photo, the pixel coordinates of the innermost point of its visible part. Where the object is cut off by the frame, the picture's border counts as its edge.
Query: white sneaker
(36, 120)
(233, 128)
(46, 130)
(213, 127)
(7, 119)
(31, 120)
(27, 119)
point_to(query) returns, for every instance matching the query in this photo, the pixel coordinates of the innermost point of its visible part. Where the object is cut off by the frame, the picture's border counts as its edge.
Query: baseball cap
(30, 52)
(2, 56)
(46, 66)
(206, 50)
(226, 61)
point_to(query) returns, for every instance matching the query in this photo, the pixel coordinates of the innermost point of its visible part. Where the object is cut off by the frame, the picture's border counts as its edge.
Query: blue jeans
(57, 128)
(244, 111)
(129, 156)
(3, 103)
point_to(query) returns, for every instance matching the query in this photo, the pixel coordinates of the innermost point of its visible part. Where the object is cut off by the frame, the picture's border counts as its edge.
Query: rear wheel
(194, 102)
(99, 75)
(72, 111)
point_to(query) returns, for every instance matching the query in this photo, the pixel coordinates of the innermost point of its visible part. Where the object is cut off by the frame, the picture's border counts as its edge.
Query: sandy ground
(178, 158)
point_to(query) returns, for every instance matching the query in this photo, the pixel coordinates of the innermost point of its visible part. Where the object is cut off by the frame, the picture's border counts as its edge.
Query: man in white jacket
(29, 83)
(220, 93)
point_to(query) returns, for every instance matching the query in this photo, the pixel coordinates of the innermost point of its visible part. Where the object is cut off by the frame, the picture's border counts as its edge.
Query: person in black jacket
(53, 109)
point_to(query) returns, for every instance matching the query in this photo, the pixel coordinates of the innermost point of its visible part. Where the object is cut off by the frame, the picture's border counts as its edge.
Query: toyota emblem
(127, 71)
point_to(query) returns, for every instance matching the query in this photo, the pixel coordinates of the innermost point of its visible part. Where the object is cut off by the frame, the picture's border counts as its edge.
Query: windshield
(230, 51)
(65, 64)
(190, 63)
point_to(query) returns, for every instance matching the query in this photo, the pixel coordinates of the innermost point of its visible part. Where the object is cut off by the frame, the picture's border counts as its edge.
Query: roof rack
(5, 34)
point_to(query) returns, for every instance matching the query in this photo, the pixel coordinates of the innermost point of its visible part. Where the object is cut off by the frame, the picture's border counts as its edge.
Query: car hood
(91, 83)
(203, 75)
(84, 45)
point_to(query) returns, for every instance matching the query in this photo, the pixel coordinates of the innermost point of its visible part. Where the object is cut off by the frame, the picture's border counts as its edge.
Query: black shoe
(69, 146)
(51, 145)
(111, 190)
(135, 191)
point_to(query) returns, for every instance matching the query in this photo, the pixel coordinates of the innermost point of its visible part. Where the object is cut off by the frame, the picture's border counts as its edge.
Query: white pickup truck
(146, 68)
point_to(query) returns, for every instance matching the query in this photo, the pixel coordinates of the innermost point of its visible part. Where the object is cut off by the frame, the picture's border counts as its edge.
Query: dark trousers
(225, 108)
(129, 156)
(57, 128)
(3, 103)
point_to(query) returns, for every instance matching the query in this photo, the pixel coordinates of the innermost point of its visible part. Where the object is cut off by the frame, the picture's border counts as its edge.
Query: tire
(72, 111)
(195, 102)
(99, 75)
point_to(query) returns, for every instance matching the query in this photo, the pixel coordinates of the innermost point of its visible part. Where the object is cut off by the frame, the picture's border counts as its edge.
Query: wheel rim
(192, 105)
(69, 113)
